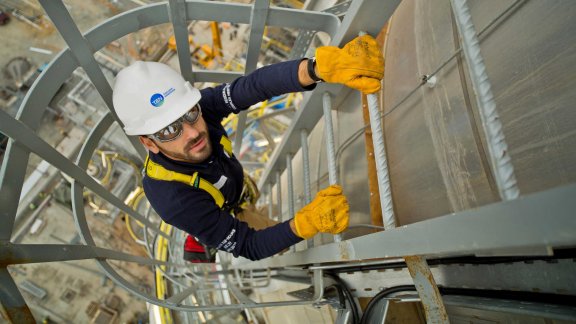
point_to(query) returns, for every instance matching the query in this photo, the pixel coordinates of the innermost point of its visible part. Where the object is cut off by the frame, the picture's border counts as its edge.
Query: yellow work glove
(359, 64)
(327, 213)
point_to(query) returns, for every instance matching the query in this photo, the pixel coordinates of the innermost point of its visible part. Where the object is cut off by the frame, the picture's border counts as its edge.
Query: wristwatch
(311, 70)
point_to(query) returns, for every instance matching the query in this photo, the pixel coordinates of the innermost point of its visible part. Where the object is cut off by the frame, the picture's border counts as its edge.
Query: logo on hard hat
(157, 100)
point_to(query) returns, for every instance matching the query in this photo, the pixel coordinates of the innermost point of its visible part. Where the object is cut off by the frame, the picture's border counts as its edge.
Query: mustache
(195, 140)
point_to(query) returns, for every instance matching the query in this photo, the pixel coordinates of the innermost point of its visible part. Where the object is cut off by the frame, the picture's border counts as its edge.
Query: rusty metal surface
(427, 289)
(12, 301)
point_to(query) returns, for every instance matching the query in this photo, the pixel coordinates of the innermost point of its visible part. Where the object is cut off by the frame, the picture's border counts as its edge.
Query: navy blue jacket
(194, 210)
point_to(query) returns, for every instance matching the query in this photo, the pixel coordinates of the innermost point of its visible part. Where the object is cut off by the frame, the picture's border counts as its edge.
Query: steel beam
(279, 194)
(40, 253)
(522, 229)
(179, 24)
(258, 16)
(290, 180)
(306, 174)
(270, 201)
(305, 166)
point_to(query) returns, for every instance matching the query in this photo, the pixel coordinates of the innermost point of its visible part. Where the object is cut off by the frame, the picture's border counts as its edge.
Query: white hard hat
(149, 96)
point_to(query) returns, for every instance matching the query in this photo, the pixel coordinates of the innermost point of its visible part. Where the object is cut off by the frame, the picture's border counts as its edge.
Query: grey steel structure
(514, 226)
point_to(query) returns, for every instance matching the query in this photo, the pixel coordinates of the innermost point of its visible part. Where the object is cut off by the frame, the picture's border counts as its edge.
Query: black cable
(339, 292)
(347, 295)
(382, 294)
(526, 296)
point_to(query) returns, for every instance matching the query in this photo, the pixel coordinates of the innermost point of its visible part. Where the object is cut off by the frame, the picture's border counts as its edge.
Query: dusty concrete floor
(18, 36)
(83, 280)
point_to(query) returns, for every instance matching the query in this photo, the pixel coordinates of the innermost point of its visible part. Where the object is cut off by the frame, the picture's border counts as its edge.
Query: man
(193, 180)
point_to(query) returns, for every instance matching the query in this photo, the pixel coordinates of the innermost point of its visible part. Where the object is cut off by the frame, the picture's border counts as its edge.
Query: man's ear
(149, 144)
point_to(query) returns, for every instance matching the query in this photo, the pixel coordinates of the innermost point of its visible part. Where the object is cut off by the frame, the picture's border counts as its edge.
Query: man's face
(193, 145)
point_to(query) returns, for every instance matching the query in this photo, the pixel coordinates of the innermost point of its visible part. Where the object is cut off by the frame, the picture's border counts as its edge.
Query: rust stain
(343, 247)
(8, 256)
(19, 314)
(427, 289)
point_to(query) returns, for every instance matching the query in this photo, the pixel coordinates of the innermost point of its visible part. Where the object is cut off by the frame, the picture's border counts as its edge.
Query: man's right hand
(358, 65)
(327, 213)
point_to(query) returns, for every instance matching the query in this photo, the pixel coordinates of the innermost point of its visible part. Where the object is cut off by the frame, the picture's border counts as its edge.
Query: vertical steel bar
(83, 53)
(306, 166)
(12, 301)
(498, 149)
(290, 186)
(12, 177)
(329, 131)
(418, 267)
(306, 174)
(388, 217)
(270, 201)
(179, 24)
(279, 194)
(258, 19)
(330, 146)
(290, 179)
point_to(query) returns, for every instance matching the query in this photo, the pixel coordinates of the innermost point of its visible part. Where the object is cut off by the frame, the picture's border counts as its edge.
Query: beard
(192, 157)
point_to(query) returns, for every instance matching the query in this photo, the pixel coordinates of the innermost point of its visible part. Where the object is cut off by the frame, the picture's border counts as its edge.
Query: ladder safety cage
(80, 53)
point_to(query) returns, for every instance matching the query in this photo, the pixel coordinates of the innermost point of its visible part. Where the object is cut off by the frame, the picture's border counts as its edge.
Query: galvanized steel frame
(373, 15)
(521, 230)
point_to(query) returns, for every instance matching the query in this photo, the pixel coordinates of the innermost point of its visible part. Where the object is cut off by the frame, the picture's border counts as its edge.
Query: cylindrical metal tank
(436, 146)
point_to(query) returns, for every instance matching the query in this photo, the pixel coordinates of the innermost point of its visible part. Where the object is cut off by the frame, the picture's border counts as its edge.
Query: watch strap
(311, 70)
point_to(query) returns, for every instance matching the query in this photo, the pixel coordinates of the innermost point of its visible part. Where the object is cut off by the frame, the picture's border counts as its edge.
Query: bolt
(430, 80)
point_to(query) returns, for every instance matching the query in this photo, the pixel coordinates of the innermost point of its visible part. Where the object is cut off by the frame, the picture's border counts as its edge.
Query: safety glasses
(172, 131)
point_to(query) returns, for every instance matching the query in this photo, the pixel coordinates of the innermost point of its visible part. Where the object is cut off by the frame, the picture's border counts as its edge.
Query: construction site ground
(72, 286)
